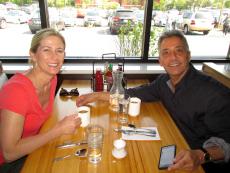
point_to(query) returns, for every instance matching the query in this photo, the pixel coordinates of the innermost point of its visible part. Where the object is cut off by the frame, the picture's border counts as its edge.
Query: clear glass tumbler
(122, 114)
(95, 143)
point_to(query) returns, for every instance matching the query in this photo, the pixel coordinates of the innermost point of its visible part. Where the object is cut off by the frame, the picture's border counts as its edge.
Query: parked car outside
(80, 13)
(16, 16)
(55, 22)
(3, 24)
(27, 9)
(92, 18)
(160, 19)
(120, 18)
(200, 21)
(69, 19)
(226, 25)
(104, 13)
(10, 5)
(140, 16)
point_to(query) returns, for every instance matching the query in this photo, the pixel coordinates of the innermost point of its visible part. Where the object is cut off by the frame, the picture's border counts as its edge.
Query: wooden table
(142, 156)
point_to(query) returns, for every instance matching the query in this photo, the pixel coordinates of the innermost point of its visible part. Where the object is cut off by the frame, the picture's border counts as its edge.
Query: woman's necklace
(40, 86)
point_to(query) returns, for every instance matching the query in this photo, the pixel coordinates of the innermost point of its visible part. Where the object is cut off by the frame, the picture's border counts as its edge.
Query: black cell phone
(167, 155)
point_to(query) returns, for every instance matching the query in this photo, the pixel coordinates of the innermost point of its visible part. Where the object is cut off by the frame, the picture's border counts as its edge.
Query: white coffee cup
(134, 106)
(84, 114)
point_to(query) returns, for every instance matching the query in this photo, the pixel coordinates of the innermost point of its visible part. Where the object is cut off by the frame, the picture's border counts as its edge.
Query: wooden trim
(218, 72)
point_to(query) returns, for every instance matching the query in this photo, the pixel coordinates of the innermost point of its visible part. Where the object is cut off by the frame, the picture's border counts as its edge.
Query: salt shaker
(119, 151)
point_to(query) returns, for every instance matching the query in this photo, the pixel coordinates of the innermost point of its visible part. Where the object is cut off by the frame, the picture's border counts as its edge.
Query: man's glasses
(73, 92)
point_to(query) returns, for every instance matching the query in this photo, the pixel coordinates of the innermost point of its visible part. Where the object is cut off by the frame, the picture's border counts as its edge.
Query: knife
(73, 144)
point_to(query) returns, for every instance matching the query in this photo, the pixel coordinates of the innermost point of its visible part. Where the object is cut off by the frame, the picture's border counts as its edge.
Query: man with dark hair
(199, 105)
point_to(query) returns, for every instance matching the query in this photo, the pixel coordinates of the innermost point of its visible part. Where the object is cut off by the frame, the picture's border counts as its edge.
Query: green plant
(154, 36)
(130, 40)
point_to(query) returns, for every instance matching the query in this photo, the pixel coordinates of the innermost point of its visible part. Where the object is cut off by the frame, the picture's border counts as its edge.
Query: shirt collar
(191, 71)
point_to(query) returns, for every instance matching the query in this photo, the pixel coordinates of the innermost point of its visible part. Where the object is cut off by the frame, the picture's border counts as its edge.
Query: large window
(128, 28)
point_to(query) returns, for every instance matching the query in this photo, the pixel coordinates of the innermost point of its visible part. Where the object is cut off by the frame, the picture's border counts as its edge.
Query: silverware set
(140, 131)
(83, 152)
(79, 153)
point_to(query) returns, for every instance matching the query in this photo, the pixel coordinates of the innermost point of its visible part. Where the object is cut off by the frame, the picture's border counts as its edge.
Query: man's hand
(187, 160)
(92, 97)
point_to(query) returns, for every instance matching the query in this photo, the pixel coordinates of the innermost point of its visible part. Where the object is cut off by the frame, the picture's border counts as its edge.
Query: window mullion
(44, 13)
(147, 29)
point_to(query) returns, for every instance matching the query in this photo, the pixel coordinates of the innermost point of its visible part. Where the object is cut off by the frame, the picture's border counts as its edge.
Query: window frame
(144, 58)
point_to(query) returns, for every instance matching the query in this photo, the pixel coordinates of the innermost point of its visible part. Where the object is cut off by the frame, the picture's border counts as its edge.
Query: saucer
(119, 154)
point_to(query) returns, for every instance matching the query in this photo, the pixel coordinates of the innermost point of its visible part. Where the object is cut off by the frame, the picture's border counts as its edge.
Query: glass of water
(122, 114)
(95, 143)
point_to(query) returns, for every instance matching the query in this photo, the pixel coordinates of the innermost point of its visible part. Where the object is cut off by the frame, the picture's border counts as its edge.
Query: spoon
(79, 153)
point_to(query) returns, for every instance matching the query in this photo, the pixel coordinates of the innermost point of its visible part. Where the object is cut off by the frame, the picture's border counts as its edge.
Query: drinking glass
(123, 109)
(95, 143)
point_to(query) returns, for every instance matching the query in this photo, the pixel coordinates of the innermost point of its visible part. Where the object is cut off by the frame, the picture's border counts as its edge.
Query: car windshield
(203, 16)
(187, 15)
(124, 13)
(36, 14)
(140, 14)
(92, 13)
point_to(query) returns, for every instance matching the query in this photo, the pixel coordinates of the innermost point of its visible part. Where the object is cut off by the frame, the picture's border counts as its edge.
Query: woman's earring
(35, 64)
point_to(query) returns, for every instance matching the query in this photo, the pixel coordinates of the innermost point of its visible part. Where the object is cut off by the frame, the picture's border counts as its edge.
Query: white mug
(134, 106)
(84, 114)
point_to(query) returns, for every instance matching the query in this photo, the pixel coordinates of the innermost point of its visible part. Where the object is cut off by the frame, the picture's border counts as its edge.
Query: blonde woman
(26, 102)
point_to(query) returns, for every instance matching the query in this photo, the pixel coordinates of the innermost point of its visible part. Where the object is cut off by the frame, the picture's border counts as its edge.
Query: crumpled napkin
(139, 137)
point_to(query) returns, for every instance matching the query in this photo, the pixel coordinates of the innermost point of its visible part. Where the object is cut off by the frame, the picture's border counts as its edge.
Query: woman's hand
(69, 124)
(187, 160)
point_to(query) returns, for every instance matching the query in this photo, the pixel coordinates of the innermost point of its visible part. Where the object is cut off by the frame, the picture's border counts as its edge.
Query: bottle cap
(98, 69)
(111, 67)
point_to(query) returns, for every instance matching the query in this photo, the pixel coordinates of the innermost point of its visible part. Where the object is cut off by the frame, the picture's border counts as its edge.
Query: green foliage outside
(227, 4)
(130, 40)
(18, 2)
(191, 4)
(111, 5)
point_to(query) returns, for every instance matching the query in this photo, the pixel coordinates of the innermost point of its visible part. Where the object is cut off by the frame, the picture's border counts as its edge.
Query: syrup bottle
(98, 80)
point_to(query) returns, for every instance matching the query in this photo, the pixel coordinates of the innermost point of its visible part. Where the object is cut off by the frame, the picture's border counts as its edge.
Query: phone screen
(167, 155)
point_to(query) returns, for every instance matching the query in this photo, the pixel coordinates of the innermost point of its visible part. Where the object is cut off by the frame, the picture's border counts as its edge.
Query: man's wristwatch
(207, 157)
